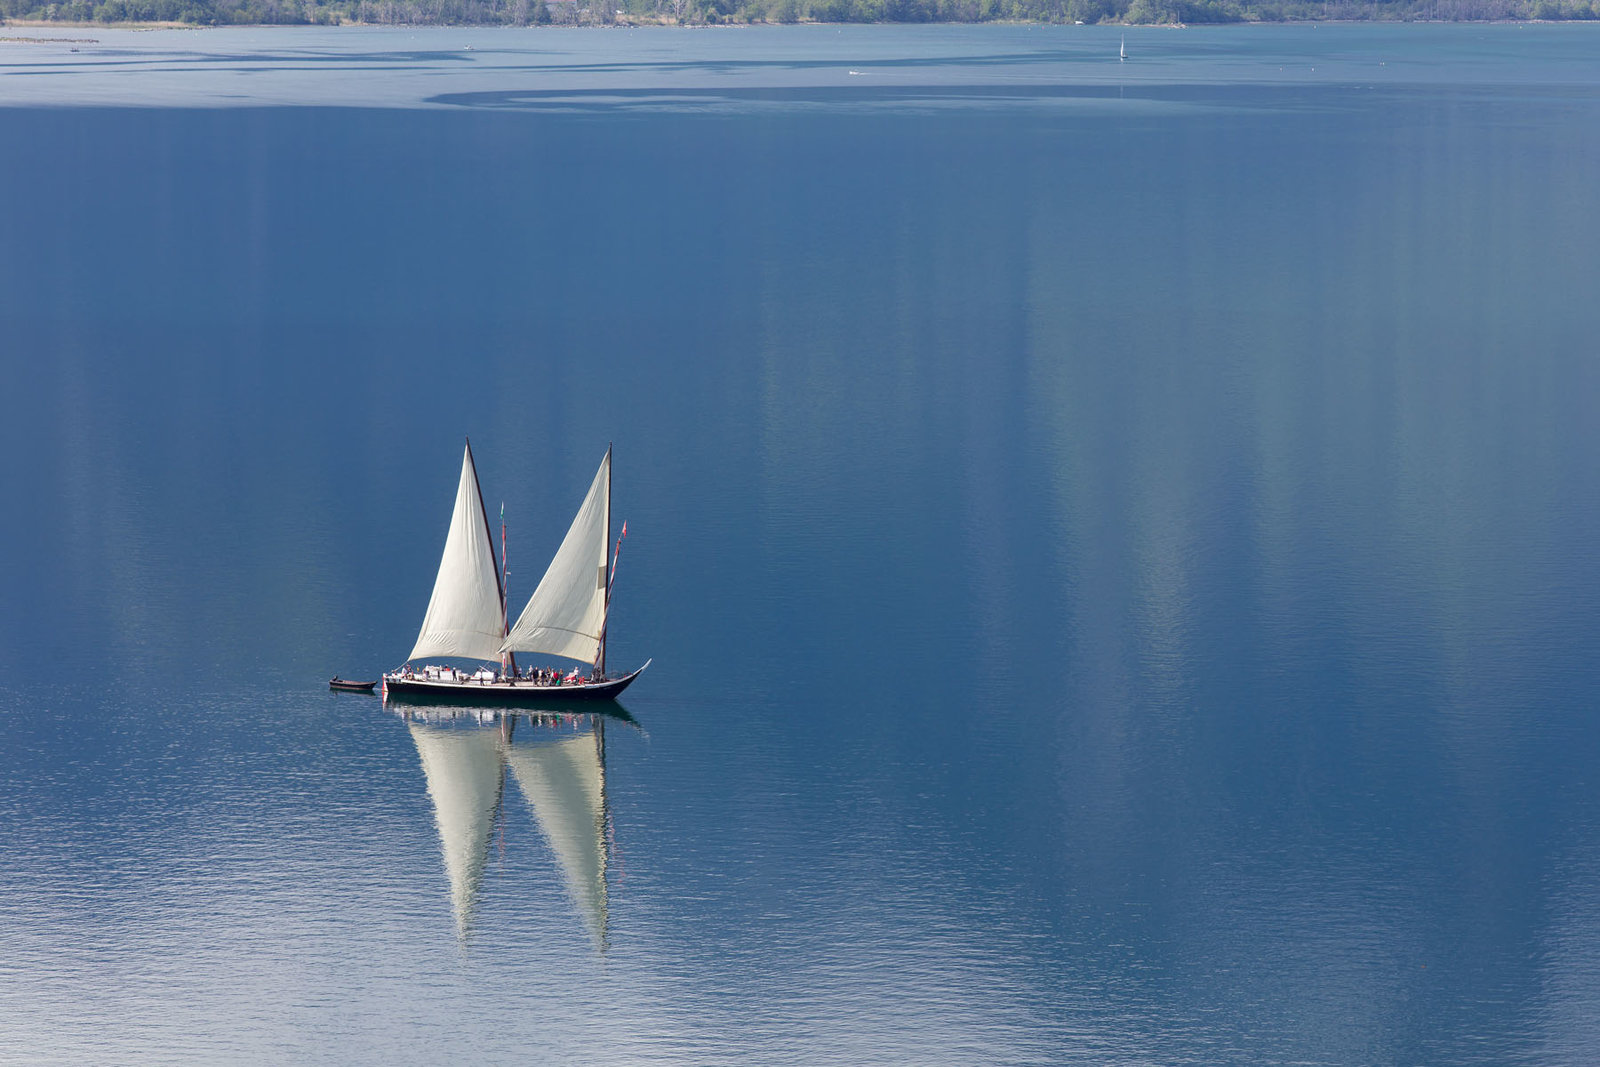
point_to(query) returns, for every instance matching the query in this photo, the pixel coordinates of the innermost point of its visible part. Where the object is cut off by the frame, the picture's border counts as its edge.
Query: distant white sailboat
(1122, 55)
(566, 616)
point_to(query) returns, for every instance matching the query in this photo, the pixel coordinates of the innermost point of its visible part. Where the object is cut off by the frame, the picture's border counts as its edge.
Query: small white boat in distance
(1122, 55)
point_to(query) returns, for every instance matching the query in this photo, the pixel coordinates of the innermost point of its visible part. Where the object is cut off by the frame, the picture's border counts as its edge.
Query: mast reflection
(558, 762)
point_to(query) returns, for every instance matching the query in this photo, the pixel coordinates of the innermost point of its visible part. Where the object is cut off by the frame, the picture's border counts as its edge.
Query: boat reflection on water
(558, 761)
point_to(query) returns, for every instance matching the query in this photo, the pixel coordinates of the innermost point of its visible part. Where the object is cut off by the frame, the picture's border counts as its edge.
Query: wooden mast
(605, 623)
(508, 660)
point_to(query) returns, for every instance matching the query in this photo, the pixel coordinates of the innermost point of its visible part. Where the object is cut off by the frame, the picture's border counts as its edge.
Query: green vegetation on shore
(704, 12)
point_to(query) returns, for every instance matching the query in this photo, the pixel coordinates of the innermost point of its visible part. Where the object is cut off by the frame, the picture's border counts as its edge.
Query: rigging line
(562, 630)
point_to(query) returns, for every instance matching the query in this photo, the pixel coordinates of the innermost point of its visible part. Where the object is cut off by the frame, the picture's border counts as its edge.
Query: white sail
(568, 609)
(464, 781)
(564, 783)
(466, 615)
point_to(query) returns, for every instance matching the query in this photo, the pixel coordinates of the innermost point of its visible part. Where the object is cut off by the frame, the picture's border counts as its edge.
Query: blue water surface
(1116, 541)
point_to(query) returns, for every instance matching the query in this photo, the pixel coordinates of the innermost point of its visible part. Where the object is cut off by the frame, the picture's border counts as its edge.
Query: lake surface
(1117, 544)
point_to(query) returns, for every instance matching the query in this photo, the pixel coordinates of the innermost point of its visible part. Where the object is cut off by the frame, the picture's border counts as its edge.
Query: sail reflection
(465, 780)
(561, 775)
(564, 783)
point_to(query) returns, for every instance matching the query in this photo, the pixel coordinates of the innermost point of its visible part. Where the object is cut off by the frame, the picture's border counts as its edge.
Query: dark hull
(352, 687)
(498, 694)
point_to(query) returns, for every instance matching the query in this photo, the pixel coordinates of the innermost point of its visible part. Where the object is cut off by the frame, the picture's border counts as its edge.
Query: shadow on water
(558, 762)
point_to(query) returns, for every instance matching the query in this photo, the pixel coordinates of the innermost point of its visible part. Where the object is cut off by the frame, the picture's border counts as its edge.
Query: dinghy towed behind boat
(566, 616)
(345, 685)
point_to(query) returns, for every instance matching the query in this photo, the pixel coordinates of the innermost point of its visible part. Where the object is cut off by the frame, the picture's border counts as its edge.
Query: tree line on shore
(714, 12)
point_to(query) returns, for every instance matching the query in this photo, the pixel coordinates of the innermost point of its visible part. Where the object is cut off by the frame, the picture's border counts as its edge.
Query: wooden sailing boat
(566, 616)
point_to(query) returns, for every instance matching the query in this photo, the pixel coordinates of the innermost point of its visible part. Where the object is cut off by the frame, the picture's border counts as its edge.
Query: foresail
(466, 616)
(568, 609)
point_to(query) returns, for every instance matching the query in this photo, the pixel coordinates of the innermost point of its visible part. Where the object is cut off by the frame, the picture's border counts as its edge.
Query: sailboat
(1122, 55)
(565, 617)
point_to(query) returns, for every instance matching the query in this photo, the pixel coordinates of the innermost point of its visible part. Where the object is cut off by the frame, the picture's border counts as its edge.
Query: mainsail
(466, 616)
(567, 612)
(465, 778)
(564, 783)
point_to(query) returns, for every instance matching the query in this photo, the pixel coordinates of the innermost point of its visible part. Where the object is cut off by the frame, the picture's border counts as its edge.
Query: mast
(508, 660)
(606, 624)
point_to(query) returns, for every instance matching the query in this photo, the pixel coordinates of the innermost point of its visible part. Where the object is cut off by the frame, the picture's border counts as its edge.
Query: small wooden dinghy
(346, 686)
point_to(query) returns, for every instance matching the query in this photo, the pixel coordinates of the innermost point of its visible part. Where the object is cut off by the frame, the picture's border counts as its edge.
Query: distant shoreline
(581, 18)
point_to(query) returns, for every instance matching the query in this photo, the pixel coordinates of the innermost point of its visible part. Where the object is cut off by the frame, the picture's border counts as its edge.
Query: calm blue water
(1117, 543)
